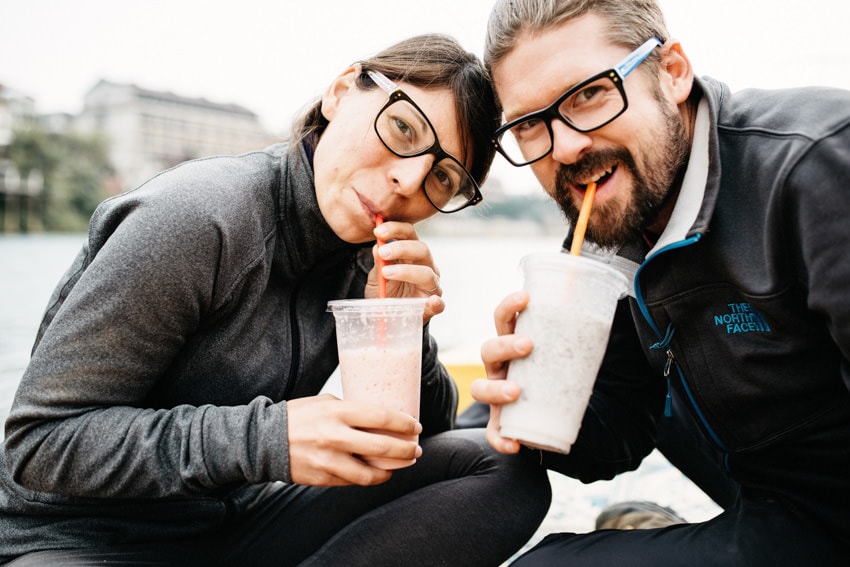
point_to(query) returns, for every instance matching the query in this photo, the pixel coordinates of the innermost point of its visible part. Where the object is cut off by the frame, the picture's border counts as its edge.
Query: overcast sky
(273, 56)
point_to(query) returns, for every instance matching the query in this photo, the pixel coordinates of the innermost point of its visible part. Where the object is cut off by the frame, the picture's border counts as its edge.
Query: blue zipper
(664, 343)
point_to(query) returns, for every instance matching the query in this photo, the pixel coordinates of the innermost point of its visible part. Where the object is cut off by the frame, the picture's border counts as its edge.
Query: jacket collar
(689, 202)
(305, 238)
(701, 184)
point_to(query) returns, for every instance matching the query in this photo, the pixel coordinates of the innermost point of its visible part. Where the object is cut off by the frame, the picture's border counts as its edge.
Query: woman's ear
(338, 89)
(677, 73)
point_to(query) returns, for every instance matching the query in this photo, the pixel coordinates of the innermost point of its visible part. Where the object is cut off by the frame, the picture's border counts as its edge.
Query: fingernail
(510, 390)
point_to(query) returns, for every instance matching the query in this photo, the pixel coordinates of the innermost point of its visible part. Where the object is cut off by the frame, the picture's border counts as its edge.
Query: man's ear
(338, 89)
(677, 74)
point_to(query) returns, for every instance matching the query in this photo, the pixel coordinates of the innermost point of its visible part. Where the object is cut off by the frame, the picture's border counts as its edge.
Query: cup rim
(375, 303)
(555, 258)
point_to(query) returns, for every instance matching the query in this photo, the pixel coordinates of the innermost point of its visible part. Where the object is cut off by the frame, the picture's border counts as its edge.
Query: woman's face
(357, 177)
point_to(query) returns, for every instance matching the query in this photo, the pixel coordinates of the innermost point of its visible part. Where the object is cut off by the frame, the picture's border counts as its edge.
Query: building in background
(145, 132)
(148, 131)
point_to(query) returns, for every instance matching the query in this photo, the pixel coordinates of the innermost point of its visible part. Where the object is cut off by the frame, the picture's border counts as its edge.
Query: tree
(75, 170)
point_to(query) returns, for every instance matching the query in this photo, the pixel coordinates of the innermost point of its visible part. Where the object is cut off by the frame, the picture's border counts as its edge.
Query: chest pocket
(756, 365)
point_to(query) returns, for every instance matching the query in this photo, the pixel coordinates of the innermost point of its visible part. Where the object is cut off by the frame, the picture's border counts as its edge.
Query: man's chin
(608, 228)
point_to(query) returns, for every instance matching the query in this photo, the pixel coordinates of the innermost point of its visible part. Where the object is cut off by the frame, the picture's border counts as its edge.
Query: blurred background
(97, 95)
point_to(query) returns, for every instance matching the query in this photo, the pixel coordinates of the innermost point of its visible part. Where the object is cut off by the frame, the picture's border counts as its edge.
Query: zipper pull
(668, 401)
(664, 343)
(667, 365)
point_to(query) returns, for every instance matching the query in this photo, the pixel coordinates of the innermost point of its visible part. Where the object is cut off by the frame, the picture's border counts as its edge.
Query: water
(476, 273)
(30, 267)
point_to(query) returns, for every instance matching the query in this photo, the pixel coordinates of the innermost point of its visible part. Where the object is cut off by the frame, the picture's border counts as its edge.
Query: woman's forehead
(439, 106)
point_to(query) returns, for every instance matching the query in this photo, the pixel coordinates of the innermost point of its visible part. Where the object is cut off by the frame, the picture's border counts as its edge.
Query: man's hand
(496, 354)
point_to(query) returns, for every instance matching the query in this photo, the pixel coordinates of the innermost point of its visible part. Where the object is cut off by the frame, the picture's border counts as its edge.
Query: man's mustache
(589, 165)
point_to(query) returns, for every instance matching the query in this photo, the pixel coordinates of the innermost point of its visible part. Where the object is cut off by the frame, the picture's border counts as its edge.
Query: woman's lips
(368, 207)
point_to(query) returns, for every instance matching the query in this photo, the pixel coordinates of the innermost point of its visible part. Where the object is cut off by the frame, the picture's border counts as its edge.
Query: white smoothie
(557, 378)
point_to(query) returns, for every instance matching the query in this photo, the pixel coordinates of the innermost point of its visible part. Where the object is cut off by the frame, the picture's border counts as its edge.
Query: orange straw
(382, 287)
(583, 215)
(382, 281)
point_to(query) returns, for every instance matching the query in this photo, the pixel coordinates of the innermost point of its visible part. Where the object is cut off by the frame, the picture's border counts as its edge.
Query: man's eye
(527, 128)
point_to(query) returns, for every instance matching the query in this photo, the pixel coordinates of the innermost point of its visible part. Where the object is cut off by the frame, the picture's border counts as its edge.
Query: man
(729, 212)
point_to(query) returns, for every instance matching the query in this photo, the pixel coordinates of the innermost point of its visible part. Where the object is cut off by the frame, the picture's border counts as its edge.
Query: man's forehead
(544, 64)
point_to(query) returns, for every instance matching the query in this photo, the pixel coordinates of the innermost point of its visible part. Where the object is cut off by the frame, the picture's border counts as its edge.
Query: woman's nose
(567, 144)
(408, 174)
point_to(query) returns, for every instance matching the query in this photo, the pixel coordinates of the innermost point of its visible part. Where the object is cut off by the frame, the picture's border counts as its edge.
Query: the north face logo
(741, 318)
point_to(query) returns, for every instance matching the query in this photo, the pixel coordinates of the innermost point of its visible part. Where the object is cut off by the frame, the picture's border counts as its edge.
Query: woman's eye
(447, 182)
(403, 129)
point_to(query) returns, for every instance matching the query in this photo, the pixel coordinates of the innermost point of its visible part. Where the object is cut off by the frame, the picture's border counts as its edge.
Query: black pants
(460, 504)
(679, 440)
(755, 532)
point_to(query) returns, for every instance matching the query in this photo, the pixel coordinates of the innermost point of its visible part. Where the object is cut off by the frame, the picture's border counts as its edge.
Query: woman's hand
(326, 440)
(496, 354)
(409, 267)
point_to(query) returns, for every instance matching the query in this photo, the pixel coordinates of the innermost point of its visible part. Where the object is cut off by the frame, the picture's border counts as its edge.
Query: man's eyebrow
(525, 111)
(520, 113)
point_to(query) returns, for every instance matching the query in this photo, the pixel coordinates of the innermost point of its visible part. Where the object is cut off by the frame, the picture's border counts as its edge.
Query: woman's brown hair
(432, 61)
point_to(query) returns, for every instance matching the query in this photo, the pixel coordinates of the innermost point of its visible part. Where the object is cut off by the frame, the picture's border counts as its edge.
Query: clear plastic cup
(571, 306)
(380, 356)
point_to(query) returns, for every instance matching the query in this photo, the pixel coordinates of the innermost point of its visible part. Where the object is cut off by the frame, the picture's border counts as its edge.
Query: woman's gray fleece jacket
(154, 403)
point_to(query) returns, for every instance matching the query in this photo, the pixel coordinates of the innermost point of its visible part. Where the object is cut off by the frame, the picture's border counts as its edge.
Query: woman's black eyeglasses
(406, 131)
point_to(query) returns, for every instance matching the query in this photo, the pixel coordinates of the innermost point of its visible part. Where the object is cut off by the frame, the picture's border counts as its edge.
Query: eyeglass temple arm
(634, 58)
(383, 82)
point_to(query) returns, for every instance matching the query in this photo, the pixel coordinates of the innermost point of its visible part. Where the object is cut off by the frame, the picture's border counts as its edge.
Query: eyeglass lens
(588, 107)
(407, 133)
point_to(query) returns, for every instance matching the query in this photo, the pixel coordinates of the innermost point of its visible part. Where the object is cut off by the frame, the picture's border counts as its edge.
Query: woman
(171, 412)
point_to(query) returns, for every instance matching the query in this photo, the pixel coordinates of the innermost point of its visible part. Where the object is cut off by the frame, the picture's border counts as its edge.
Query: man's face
(634, 160)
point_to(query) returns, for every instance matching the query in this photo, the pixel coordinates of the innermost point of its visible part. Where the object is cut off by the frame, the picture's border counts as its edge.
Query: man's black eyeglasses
(589, 105)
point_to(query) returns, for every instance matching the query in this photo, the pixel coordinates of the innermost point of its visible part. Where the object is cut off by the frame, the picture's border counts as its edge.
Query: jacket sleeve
(619, 426)
(816, 212)
(79, 424)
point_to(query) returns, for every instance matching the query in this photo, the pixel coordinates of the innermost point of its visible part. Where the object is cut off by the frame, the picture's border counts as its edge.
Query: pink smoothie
(388, 377)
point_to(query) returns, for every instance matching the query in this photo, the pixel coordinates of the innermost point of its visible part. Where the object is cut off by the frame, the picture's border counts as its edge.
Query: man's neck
(653, 231)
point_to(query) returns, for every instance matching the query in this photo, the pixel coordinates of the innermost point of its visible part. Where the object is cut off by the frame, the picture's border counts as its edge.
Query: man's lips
(599, 179)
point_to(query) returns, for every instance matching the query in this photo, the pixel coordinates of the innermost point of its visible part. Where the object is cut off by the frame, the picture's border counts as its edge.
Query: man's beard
(611, 224)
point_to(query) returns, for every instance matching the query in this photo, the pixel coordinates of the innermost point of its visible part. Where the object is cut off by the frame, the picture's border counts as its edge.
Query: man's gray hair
(631, 22)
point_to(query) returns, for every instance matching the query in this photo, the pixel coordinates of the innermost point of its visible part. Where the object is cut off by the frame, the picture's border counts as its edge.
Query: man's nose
(567, 144)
